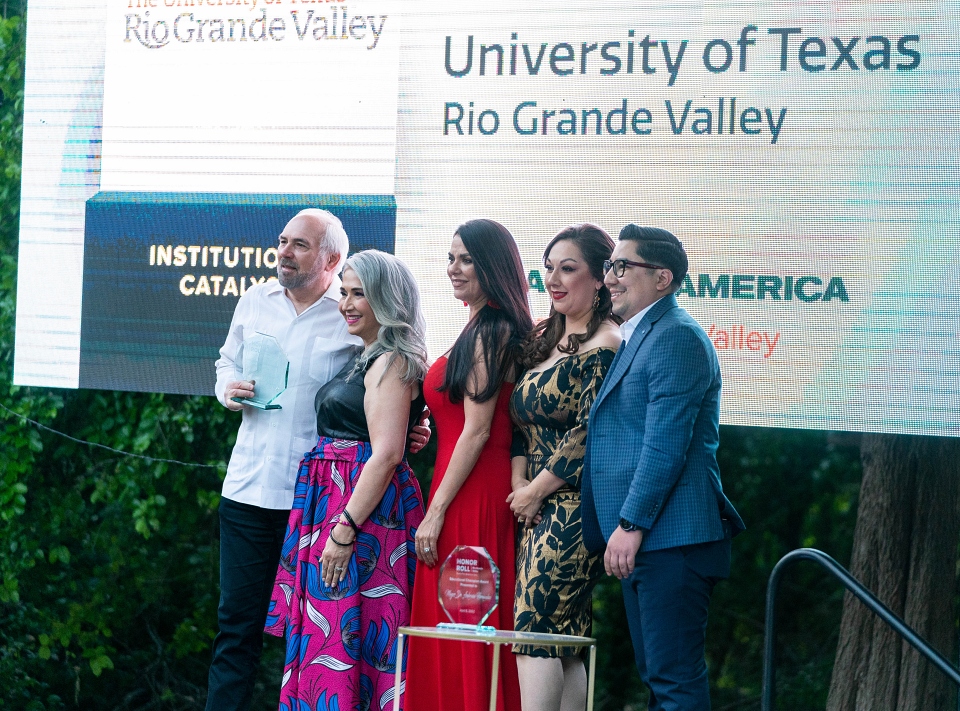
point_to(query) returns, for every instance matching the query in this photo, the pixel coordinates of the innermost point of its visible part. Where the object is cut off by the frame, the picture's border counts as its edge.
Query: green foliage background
(108, 563)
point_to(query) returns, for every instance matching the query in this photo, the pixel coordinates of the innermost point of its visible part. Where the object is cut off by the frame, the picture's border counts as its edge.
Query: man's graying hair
(334, 239)
(392, 293)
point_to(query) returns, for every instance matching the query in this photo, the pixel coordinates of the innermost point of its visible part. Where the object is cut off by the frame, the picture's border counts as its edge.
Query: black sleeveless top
(339, 406)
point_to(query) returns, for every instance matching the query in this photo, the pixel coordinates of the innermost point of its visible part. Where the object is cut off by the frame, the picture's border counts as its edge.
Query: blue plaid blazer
(652, 438)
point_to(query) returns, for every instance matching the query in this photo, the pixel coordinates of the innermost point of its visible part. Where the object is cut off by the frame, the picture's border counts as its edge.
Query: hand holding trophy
(265, 363)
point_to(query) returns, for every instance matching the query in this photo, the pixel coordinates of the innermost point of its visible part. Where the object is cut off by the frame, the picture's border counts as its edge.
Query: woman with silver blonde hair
(391, 291)
(345, 578)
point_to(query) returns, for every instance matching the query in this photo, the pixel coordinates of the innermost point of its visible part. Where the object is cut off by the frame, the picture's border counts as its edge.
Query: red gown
(446, 674)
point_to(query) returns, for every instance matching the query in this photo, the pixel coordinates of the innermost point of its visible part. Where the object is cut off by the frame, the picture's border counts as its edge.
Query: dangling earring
(596, 300)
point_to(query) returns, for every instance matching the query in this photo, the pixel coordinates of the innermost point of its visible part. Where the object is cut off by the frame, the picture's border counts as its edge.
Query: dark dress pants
(666, 599)
(250, 543)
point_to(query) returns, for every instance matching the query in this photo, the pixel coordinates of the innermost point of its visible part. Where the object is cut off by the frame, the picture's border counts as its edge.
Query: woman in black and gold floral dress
(566, 358)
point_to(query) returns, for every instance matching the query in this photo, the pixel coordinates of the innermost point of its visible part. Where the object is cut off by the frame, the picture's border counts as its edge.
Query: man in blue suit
(651, 488)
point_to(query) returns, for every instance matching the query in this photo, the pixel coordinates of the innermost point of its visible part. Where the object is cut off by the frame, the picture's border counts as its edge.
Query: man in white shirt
(299, 309)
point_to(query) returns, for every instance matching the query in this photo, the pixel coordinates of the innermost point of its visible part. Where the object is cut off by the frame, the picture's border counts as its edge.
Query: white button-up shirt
(628, 327)
(270, 444)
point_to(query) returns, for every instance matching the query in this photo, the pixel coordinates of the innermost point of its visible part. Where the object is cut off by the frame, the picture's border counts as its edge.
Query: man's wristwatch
(627, 526)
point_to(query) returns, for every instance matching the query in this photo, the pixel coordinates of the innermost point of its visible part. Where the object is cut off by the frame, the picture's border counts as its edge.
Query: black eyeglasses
(619, 266)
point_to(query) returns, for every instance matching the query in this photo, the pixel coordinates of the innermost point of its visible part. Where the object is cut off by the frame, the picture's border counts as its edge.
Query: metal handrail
(858, 590)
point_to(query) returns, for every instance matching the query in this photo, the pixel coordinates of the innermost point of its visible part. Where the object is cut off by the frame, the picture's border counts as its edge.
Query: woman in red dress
(468, 392)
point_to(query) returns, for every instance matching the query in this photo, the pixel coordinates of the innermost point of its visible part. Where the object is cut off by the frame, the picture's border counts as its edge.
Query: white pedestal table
(496, 638)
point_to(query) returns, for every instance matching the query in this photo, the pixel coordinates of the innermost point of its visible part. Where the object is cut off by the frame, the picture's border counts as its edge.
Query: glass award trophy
(469, 589)
(264, 362)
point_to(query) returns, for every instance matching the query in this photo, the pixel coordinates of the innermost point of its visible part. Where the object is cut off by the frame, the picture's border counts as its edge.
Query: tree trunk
(905, 552)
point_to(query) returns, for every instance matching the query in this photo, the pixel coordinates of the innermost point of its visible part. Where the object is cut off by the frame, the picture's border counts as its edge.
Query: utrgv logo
(151, 36)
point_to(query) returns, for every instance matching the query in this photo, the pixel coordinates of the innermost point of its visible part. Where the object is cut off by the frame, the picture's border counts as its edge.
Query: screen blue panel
(162, 273)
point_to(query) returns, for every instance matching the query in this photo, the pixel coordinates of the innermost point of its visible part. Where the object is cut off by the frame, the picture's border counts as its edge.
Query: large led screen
(806, 153)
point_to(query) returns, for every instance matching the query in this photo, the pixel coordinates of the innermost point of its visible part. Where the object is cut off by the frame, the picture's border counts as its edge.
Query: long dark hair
(501, 325)
(596, 247)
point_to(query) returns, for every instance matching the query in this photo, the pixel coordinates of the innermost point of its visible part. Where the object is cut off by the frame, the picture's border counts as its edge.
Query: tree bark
(905, 552)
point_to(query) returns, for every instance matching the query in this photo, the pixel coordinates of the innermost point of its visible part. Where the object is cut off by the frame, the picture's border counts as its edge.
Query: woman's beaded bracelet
(350, 522)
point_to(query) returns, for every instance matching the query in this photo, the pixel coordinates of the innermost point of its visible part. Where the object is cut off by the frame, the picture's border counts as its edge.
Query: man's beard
(296, 280)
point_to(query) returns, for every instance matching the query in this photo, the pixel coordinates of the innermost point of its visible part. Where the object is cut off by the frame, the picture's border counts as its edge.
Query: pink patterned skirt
(342, 640)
